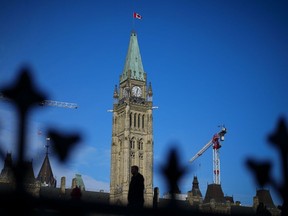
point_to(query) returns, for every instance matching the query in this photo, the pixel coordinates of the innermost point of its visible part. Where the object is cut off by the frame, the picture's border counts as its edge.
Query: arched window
(140, 144)
(132, 143)
(139, 120)
(135, 116)
(143, 117)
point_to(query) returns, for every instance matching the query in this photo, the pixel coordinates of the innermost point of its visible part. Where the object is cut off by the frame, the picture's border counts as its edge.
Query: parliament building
(132, 144)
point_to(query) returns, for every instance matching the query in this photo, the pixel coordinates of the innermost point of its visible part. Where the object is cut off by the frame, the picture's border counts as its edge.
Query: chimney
(74, 183)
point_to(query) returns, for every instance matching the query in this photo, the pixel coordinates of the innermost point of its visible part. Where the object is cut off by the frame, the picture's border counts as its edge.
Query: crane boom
(50, 103)
(59, 104)
(216, 159)
(201, 151)
(220, 135)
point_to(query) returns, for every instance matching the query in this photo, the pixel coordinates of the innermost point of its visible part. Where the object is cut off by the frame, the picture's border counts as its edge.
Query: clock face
(136, 91)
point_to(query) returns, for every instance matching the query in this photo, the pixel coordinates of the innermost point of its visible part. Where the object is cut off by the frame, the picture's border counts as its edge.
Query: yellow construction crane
(50, 103)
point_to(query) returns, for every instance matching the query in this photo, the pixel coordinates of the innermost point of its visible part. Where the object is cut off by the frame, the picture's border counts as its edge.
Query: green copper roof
(133, 66)
(80, 182)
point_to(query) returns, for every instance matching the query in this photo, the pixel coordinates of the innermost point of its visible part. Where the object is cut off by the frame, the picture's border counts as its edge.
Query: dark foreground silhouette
(25, 97)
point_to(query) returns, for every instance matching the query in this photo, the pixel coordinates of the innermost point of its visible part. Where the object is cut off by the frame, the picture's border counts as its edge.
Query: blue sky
(209, 62)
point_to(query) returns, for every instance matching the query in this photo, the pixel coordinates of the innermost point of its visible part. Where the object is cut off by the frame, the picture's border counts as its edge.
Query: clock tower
(132, 131)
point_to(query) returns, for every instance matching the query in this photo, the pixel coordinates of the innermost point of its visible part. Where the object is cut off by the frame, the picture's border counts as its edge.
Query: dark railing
(25, 96)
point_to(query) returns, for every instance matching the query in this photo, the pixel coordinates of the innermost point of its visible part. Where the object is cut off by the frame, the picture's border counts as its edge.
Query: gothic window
(138, 120)
(120, 148)
(135, 119)
(132, 143)
(130, 119)
(140, 144)
(141, 156)
(143, 117)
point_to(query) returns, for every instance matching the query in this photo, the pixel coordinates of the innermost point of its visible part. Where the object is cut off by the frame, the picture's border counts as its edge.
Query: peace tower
(132, 128)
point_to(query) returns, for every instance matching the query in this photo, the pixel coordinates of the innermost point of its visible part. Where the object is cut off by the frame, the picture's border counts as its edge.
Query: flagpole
(133, 22)
(135, 16)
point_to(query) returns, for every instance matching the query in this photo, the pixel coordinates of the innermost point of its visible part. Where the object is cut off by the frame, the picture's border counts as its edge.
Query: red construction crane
(215, 142)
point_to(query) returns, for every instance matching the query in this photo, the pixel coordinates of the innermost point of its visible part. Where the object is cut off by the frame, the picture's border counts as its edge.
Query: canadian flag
(137, 16)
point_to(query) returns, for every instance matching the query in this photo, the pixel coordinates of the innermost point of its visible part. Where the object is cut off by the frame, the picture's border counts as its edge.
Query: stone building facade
(194, 196)
(8, 182)
(132, 131)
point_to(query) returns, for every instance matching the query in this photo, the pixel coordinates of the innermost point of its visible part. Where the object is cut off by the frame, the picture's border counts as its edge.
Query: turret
(45, 175)
(149, 93)
(195, 196)
(116, 95)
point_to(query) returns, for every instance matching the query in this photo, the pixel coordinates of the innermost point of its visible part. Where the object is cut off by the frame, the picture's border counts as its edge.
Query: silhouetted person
(156, 198)
(76, 193)
(136, 189)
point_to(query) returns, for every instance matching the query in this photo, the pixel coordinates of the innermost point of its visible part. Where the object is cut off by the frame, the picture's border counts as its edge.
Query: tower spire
(45, 175)
(133, 68)
(47, 145)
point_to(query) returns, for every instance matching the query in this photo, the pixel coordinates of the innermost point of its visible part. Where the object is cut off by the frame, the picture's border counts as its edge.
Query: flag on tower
(137, 16)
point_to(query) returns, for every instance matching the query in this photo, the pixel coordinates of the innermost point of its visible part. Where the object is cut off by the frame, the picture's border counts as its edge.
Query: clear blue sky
(210, 63)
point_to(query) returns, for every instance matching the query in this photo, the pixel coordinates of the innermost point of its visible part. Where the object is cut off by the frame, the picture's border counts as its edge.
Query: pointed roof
(45, 175)
(195, 187)
(214, 191)
(6, 174)
(150, 92)
(115, 94)
(133, 68)
(264, 197)
(29, 172)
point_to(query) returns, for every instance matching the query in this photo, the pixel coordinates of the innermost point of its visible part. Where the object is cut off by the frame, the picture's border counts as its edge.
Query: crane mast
(216, 145)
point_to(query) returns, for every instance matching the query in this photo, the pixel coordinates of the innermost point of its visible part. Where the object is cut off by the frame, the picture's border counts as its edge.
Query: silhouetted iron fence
(17, 200)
